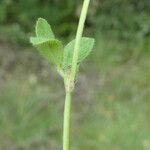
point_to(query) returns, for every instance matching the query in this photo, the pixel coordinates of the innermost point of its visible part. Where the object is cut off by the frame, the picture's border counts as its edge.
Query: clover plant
(66, 58)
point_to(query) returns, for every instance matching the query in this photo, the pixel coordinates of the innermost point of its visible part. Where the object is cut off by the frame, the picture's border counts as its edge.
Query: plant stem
(69, 82)
(66, 127)
(78, 38)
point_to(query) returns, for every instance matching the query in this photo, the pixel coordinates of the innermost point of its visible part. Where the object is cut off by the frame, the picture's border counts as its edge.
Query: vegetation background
(111, 107)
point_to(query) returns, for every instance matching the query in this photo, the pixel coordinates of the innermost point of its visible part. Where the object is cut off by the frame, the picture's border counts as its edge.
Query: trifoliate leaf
(86, 46)
(49, 48)
(43, 29)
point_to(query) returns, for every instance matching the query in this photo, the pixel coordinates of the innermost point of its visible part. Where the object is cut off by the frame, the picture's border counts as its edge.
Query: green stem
(66, 127)
(78, 38)
(69, 81)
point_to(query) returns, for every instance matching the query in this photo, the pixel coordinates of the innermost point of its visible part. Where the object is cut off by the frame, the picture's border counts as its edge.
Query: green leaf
(45, 41)
(43, 29)
(86, 46)
(38, 40)
(49, 48)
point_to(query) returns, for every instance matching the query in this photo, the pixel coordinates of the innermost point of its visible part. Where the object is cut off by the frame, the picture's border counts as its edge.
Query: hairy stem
(69, 85)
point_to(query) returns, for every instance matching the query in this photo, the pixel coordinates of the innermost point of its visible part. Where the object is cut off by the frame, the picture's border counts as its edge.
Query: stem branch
(78, 38)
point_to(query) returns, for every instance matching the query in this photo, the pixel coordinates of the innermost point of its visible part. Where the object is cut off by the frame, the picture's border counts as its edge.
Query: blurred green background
(111, 103)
